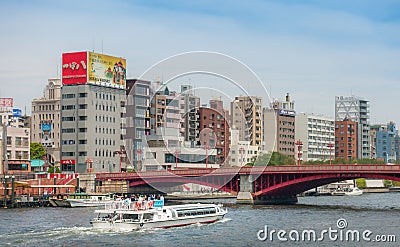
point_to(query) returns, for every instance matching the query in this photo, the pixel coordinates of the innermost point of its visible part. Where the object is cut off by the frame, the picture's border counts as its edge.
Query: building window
(82, 95)
(68, 130)
(68, 107)
(68, 154)
(68, 96)
(68, 119)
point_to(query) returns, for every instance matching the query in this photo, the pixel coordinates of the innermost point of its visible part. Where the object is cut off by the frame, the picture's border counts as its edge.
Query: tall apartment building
(386, 147)
(92, 104)
(165, 110)
(316, 132)
(356, 109)
(136, 121)
(346, 139)
(214, 132)
(246, 114)
(279, 127)
(190, 104)
(372, 132)
(218, 105)
(45, 120)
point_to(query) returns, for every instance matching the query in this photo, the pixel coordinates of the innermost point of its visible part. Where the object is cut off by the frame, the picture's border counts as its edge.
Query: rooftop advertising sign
(17, 112)
(74, 68)
(6, 102)
(107, 70)
(287, 113)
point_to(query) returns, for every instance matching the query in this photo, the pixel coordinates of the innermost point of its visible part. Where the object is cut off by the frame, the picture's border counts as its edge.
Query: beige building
(246, 113)
(315, 132)
(279, 127)
(169, 151)
(241, 152)
(17, 158)
(45, 120)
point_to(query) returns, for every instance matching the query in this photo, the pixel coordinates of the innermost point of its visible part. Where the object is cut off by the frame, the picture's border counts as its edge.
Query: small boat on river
(88, 200)
(80, 200)
(153, 214)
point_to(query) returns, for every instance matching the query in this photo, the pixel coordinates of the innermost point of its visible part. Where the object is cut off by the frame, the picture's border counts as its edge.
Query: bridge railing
(321, 168)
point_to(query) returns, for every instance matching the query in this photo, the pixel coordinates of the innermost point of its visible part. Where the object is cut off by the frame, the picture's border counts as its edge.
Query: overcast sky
(314, 50)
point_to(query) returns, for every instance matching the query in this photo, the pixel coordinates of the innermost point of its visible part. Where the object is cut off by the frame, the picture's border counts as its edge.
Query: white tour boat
(88, 200)
(153, 214)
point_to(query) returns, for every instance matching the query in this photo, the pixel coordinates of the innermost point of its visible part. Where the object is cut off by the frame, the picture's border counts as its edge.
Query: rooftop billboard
(107, 70)
(6, 104)
(74, 68)
(93, 68)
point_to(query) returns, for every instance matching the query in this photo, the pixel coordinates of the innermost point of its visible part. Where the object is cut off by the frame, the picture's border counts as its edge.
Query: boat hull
(59, 203)
(133, 226)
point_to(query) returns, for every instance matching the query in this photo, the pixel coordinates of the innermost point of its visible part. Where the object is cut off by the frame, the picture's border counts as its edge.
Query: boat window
(147, 216)
(131, 216)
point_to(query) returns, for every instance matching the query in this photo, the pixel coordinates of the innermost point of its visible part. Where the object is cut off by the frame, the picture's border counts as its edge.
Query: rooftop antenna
(101, 46)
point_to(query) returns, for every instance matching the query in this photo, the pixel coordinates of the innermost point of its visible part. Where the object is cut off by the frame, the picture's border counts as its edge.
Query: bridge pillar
(245, 190)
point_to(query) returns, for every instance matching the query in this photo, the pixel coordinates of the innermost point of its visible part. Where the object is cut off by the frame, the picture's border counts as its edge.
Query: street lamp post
(120, 153)
(241, 151)
(89, 163)
(299, 145)
(6, 177)
(12, 190)
(330, 146)
(206, 147)
(176, 158)
(139, 151)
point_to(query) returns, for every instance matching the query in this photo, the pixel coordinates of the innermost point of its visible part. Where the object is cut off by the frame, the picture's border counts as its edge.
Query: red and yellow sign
(93, 68)
(74, 68)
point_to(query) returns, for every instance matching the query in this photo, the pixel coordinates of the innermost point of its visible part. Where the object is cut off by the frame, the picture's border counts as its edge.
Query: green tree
(37, 151)
(271, 159)
(51, 169)
(361, 183)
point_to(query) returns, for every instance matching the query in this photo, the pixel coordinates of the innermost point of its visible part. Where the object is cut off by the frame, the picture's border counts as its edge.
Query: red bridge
(260, 184)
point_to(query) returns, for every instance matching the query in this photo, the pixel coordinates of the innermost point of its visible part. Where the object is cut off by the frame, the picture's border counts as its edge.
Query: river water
(244, 225)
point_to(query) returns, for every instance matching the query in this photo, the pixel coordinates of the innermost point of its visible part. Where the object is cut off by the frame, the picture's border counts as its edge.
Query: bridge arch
(301, 184)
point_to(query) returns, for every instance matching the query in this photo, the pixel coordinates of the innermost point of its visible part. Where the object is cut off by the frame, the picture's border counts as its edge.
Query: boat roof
(188, 206)
(152, 210)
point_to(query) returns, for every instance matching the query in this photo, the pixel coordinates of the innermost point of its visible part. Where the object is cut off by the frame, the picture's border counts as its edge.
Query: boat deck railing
(135, 205)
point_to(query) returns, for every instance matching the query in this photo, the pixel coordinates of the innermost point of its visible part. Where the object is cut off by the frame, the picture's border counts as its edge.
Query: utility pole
(299, 145)
(4, 151)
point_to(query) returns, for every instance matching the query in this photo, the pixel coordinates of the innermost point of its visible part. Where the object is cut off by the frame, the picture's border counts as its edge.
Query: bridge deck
(305, 169)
